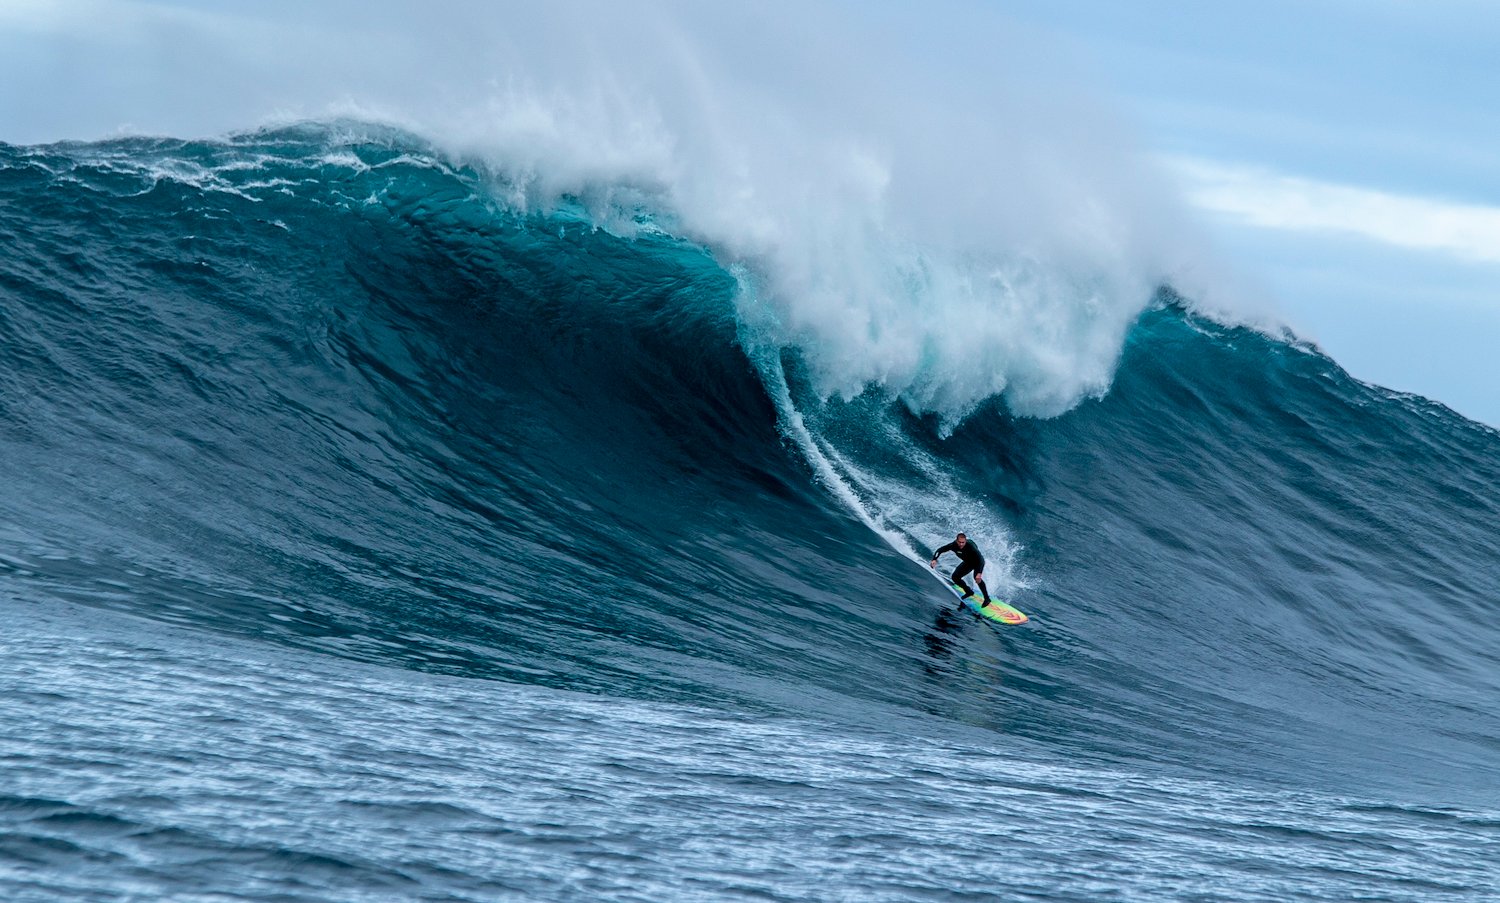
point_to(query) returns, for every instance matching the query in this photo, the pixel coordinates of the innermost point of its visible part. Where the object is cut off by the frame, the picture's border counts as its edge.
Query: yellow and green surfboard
(996, 611)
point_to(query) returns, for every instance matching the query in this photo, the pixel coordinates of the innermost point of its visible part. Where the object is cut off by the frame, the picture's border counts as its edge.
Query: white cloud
(1271, 200)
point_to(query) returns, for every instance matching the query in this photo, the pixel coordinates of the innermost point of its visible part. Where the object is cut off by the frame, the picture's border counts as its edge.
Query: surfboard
(996, 611)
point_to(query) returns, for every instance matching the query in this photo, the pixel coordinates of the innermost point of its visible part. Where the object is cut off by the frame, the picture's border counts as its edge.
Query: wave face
(325, 390)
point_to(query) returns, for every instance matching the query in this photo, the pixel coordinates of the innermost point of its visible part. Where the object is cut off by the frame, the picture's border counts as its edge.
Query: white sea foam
(924, 206)
(928, 201)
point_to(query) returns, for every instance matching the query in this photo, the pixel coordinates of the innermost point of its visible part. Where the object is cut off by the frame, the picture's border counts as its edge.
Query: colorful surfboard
(996, 611)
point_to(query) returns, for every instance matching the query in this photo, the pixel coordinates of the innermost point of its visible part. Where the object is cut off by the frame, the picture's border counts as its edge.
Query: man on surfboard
(970, 560)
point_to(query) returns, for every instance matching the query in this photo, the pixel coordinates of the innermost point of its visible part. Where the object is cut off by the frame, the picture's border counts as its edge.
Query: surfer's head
(961, 540)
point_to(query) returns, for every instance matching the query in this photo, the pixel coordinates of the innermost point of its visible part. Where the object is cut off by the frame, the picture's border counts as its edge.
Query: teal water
(364, 537)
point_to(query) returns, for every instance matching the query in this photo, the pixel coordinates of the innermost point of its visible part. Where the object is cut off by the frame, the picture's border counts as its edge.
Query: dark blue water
(363, 536)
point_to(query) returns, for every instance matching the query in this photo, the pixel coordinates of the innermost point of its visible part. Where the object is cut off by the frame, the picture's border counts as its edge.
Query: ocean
(372, 529)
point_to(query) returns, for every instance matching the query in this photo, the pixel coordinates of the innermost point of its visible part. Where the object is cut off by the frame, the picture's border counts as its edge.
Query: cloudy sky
(1341, 153)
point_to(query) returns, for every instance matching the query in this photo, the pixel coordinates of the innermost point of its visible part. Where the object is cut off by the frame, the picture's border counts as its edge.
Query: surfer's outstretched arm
(950, 547)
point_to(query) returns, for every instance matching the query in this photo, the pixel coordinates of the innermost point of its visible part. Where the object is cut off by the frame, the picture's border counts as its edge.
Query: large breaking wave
(330, 387)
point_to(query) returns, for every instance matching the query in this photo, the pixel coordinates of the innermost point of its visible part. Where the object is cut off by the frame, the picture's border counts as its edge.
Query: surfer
(970, 559)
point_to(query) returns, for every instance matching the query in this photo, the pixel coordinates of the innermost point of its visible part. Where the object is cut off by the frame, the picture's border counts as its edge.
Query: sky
(1340, 154)
(1343, 154)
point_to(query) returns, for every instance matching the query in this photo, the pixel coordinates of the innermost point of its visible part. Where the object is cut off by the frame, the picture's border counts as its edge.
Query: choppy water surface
(168, 768)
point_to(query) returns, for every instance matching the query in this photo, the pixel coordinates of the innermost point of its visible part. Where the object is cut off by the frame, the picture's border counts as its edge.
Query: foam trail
(912, 519)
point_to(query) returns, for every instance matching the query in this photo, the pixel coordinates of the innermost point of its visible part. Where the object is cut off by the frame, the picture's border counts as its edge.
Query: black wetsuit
(973, 560)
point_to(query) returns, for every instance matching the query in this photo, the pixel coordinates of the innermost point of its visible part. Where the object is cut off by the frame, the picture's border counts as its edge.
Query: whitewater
(523, 491)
